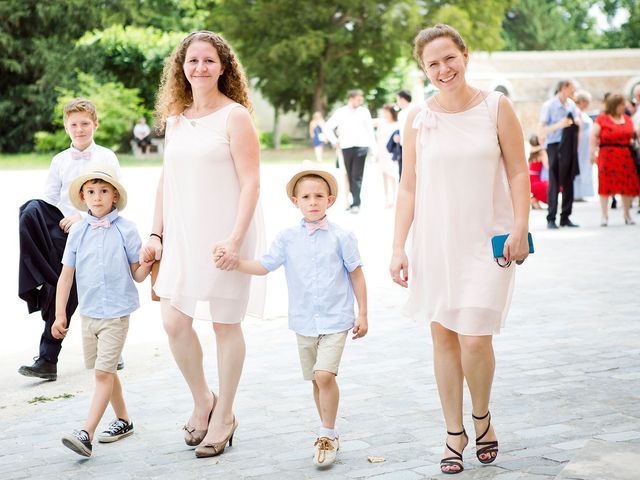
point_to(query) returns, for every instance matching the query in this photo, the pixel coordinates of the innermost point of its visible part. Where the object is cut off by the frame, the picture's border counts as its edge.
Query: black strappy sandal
(455, 461)
(486, 447)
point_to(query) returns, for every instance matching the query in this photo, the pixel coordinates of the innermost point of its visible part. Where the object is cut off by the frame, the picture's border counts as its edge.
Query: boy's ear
(95, 125)
(294, 200)
(82, 197)
(331, 199)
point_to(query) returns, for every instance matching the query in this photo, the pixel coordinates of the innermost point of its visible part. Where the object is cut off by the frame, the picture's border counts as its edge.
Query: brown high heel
(213, 449)
(193, 437)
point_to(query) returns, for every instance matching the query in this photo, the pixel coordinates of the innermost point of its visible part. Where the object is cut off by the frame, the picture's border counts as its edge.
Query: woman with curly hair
(206, 198)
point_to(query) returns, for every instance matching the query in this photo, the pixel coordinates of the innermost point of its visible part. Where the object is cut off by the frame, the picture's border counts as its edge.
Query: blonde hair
(175, 95)
(78, 105)
(428, 35)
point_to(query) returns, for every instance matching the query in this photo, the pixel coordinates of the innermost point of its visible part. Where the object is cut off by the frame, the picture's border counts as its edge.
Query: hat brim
(76, 186)
(326, 176)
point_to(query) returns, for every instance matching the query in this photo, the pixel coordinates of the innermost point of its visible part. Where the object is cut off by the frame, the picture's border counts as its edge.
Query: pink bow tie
(104, 223)
(319, 225)
(84, 155)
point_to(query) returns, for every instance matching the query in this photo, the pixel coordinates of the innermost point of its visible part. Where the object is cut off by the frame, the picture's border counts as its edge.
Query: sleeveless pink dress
(200, 205)
(462, 200)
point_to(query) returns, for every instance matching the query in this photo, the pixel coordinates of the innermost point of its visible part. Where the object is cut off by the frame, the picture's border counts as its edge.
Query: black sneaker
(115, 431)
(569, 223)
(41, 369)
(79, 442)
(120, 365)
(552, 225)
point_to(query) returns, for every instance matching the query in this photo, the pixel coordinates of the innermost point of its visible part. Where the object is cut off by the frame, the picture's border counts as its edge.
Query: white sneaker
(326, 451)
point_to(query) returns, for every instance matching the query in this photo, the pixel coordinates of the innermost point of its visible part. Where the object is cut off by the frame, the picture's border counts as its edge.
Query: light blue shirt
(102, 259)
(317, 269)
(553, 111)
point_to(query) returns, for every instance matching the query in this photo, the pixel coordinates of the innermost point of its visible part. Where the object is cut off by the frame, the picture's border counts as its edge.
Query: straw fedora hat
(326, 176)
(107, 174)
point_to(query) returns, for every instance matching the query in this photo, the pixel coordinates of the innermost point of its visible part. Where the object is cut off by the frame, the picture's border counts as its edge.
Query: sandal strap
(458, 454)
(489, 447)
(488, 426)
(456, 434)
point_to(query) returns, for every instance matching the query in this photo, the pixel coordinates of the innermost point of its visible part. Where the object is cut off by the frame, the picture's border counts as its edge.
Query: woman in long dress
(206, 198)
(465, 179)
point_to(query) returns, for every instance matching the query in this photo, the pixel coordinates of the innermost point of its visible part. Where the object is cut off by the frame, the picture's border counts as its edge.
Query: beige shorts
(103, 341)
(321, 353)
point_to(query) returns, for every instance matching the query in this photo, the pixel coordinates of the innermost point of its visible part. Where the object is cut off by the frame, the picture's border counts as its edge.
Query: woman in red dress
(611, 148)
(537, 161)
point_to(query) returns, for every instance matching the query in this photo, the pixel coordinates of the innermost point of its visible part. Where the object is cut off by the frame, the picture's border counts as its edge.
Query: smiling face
(312, 197)
(202, 66)
(80, 128)
(99, 196)
(444, 63)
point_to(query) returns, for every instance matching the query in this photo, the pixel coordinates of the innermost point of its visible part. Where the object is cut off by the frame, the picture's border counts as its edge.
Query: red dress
(616, 171)
(538, 187)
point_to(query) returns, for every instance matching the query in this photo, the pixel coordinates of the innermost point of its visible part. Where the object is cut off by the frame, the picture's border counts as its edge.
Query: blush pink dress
(200, 205)
(462, 200)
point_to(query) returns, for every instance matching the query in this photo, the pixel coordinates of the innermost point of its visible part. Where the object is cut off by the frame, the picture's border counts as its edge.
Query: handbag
(497, 245)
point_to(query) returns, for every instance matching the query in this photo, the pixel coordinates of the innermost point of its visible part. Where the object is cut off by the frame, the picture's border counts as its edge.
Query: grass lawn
(24, 161)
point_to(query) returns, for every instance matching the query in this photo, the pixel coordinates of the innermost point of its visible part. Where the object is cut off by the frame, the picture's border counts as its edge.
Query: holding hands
(225, 255)
(151, 251)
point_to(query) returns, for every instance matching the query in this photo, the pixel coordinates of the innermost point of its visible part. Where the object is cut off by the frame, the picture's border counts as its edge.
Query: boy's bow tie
(84, 155)
(104, 223)
(319, 225)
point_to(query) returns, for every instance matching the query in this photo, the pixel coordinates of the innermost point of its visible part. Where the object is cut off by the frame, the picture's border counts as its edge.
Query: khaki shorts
(321, 353)
(103, 341)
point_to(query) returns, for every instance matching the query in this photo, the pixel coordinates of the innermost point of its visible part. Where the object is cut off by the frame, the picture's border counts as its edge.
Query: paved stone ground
(565, 401)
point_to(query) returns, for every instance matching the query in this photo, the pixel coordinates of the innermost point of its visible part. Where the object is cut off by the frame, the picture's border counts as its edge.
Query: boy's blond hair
(80, 105)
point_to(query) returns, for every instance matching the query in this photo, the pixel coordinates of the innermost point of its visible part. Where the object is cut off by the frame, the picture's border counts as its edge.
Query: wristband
(156, 235)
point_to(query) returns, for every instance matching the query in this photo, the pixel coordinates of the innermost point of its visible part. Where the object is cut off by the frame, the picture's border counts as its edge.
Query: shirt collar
(90, 148)
(303, 221)
(111, 216)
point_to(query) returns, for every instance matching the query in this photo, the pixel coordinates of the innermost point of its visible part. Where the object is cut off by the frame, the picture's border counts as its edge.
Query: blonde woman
(206, 198)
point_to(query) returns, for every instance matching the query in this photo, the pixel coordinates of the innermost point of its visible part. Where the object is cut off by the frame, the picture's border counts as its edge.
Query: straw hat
(330, 179)
(107, 174)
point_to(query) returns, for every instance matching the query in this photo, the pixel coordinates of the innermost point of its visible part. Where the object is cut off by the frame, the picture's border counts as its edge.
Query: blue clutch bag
(497, 244)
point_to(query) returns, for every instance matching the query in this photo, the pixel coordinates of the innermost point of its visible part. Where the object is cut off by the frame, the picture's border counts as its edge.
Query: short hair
(612, 102)
(404, 94)
(392, 110)
(582, 95)
(428, 35)
(355, 93)
(78, 105)
(563, 83)
(310, 176)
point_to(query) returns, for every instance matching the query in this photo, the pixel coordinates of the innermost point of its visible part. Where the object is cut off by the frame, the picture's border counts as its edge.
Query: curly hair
(175, 95)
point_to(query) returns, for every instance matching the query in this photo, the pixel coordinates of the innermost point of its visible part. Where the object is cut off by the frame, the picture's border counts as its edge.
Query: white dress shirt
(141, 131)
(355, 128)
(64, 169)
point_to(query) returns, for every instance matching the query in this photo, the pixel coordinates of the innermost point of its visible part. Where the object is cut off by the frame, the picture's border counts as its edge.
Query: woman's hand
(67, 222)
(225, 254)
(516, 248)
(399, 268)
(151, 251)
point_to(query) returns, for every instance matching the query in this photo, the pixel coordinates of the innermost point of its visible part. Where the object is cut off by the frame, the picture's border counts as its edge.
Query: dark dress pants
(354, 159)
(42, 243)
(559, 176)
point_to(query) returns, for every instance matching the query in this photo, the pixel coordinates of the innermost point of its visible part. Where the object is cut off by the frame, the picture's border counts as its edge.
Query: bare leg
(230, 352)
(447, 365)
(316, 398)
(117, 400)
(318, 151)
(478, 363)
(100, 400)
(626, 206)
(604, 206)
(328, 398)
(187, 352)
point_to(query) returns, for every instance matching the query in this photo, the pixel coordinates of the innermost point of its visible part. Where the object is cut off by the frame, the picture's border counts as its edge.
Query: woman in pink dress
(206, 198)
(465, 179)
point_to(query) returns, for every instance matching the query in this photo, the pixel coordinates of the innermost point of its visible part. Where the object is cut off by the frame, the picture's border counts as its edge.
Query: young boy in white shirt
(324, 272)
(44, 225)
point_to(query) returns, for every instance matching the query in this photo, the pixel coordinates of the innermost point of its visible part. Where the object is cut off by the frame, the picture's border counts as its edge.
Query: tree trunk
(319, 96)
(276, 128)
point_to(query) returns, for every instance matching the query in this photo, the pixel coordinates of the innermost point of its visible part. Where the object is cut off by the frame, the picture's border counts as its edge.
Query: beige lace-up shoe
(326, 451)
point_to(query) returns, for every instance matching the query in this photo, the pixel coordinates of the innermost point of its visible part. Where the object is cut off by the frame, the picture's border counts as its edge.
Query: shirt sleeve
(53, 185)
(350, 254)
(544, 113)
(132, 244)
(330, 126)
(71, 247)
(276, 255)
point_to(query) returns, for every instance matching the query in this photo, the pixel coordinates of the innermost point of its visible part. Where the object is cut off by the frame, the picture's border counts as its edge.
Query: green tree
(133, 56)
(304, 55)
(118, 108)
(628, 34)
(549, 25)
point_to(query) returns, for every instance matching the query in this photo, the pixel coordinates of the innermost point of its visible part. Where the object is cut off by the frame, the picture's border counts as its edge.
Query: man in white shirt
(142, 135)
(356, 137)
